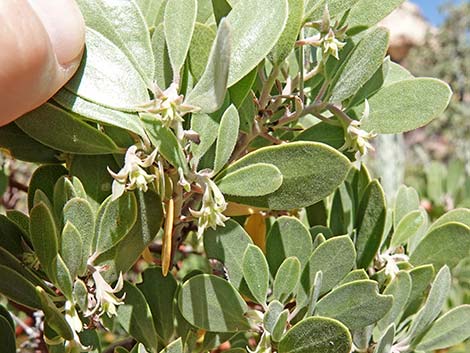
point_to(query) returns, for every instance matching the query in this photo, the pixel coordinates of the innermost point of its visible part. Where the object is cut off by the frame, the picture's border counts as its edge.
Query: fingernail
(64, 24)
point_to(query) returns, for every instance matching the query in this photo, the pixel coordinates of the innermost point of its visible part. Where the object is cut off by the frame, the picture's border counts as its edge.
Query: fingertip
(65, 26)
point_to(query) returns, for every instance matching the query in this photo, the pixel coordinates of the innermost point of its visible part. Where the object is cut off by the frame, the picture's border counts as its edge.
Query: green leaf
(314, 8)
(11, 237)
(221, 309)
(149, 220)
(207, 127)
(355, 275)
(54, 318)
(356, 304)
(228, 244)
(253, 180)
(433, 306)
(334, 258)
(265, 21)
(458, 215)
(209, 92)
(396, 73)
(221, 9)
(385, 343)
(178, 25)
(79, 213)
(135, 317)
(287, 237)
(325, 133)
(256, 273)
(311, 171)
(287, 277)
(71, 249)
(370, 223)
(161, 305)
(240, 90)
(163, 71)
(123, 24)
(166, 141)
(44, 237)
(114, 221)
(69, 133)
(445, 245)
(400, 289)
(174, 347)
(23, 147)
(421, 277)
(407, 200)
(406, 105)
(7, 336)
(366, 13)
(227, 137)
(286, 42)
(62, 278)
(44, 178)
(97, 113)
(6, 315)
(107, 77)
(152, 11)
(361, 64)
(408, 227)
(93, 172)
(18, 289)
(449, 330)
(280, 326)
(317, 335)
(271, 316)
(200, 48)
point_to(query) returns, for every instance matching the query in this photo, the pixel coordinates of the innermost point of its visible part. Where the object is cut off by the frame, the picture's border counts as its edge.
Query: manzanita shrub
(222, 141)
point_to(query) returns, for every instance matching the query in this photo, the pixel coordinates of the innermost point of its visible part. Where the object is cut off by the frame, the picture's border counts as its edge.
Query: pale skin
(41, 45)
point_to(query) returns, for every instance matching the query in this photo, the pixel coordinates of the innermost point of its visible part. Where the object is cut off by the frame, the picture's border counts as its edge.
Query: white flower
(358, 139)
(105, 300)
(133, 175)
(331, 45)
(72, 317)
(168, 105)
(213, 206)
(391, 261)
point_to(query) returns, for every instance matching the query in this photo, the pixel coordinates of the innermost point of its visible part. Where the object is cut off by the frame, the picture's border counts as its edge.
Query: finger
(42, 43)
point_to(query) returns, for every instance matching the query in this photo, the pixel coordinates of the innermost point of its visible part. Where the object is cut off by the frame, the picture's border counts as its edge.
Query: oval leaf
(286, 280)
(264, 20)
(123, 24)
(135, 317)
(70, 134)
(356, 304)
(228, 244)
(445, 245)
(256, 273)
(17, 288)
(114, 220)
(178, 25)
(253, 180)
(107, 77)
(209, 92)
(408, 227)
(220, 309)
(449, 330)
(7, 336)
(406, 105)
(317, 335)
(311, 171)
(227, 137)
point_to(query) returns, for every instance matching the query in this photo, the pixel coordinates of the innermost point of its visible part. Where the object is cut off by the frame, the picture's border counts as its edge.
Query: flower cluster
(133, 175)
(213, 206)
(168, 105)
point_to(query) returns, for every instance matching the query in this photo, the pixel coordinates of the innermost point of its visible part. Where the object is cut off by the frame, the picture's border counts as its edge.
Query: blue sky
(431, 10)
